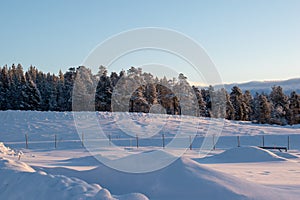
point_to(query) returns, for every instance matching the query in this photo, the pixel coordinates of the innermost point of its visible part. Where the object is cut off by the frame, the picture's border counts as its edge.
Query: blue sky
(247, 40)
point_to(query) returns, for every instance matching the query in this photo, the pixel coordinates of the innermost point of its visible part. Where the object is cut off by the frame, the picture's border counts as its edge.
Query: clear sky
(246, 39)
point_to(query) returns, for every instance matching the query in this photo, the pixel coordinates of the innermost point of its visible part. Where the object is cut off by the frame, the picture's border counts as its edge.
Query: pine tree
(206, 97)
(60, 92)
(230, 112)
(151, 94)
(4, 88)
(201, 102)
(31, 97)
(255, 108)
(237, 100)
(104, 92)
(83, 90)
(279, 102)
(248, 100)
(293, 114)
(138, 103)
(185, 95)
(263, 109)
(69, 78)
(114, 78)
(15, 91)
(218, 102)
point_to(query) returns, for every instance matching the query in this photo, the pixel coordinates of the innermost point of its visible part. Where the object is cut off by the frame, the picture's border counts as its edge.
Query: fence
(223, 142)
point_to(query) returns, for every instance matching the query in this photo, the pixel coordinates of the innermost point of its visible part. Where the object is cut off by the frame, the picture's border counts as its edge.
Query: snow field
(71, 172)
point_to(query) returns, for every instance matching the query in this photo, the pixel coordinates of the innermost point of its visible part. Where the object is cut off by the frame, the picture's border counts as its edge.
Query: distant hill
(266, 86)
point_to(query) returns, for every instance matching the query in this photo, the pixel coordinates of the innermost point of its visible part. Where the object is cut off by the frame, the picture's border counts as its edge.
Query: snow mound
(23, 185)
(183, 179)
(242, 155)
(6, 150)
(20, 181)
(14, 165)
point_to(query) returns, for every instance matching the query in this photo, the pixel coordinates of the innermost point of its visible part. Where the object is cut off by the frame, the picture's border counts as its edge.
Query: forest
(36, 90)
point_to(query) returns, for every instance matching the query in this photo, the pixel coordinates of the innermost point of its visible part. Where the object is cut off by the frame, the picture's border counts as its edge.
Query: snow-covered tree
(279, 102)
(230, 112)
(31, 97)
(4, 88)
(293, 114)
(201, 103)
(262, 109)
(248, 101)
(237, 100)
(83, 97)
(104, 92)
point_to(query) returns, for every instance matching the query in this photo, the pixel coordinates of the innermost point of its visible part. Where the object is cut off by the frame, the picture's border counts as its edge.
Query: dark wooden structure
(275, 148)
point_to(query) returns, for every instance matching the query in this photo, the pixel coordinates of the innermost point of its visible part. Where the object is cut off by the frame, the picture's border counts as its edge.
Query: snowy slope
(183, 179)
(42, 126)
(70, 172)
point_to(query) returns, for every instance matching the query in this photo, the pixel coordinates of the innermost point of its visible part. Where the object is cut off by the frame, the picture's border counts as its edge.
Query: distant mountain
(266, 86)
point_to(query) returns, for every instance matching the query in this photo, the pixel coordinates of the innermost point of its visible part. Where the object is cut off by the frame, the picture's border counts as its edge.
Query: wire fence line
(223, 142)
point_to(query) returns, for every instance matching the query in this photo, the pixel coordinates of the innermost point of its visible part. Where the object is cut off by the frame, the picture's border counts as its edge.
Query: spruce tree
(279, 102)
(237, 100)
(263, 109)
(293, 115)
(201, 102)
(104, 92)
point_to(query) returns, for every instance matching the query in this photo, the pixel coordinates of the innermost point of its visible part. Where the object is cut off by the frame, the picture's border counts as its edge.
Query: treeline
(35, 90)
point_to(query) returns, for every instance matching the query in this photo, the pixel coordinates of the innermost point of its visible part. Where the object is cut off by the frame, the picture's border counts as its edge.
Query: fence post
(214, 145)
(163, 140)
(55, 141)
(137, 141)
(263, 140)
(191, 143)
(26, 140)
(82, 138)
(239, 141)
(109, 139)
(288, 147)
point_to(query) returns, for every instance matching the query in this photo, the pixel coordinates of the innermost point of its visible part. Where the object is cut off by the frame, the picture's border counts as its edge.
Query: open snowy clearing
(69, 171)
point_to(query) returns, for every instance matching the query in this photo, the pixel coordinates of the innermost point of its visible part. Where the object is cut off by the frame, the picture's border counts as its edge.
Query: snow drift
(6, 150)
(20, 181)
(183, 179)
(242, 155)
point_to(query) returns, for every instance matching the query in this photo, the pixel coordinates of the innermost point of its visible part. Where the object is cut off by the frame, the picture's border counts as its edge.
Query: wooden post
(163, 140)
(109, 139)
(82, 138)
(214, 145)
(55, 141)
(26, 141)
(288, 147)
(137, 141)
(191, 143)
(239, 141)
(263, 140)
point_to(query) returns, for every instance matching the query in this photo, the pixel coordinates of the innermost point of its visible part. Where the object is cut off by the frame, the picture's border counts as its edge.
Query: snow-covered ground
(69, 171)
